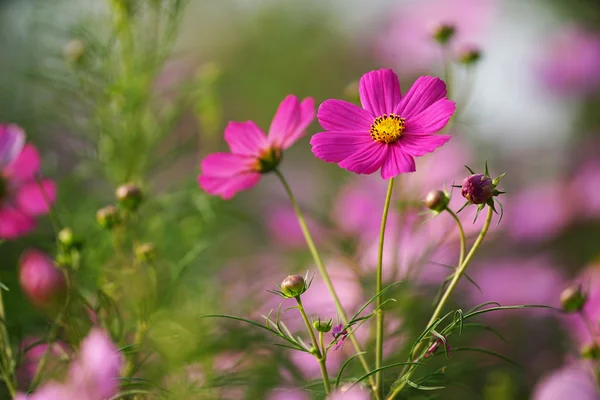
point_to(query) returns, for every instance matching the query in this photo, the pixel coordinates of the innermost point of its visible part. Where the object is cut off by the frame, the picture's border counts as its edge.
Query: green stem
(141, 329)
(8, 368)
(321, 267)
(379, 334)
(457, 275)
(461, 231)
(321, 358)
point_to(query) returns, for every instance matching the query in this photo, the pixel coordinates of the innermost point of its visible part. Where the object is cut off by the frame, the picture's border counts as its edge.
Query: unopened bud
(145, 252)
(590, 351)
(436, 200)
(573, 298)
(108, 217)
(41, 281)
(478, 188)
(323, 326)
(74, 50)
(293, 286)
(68, 240)
(469, 55)
(443, 33)
(129, 196)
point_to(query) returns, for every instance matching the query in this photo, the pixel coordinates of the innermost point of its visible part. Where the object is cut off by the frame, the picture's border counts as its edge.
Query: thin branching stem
(319, 355)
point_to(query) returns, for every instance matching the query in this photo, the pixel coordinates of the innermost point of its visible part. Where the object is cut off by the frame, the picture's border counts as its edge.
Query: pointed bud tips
(573, 299)
(322, 326)
(437, 200)
(293, 286)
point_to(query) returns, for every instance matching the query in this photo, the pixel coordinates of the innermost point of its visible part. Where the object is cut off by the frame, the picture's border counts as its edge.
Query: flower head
(22, 197)
(477, 188)
(389, 130)
(293, 286)
(340, 334)
(252, 151)
(573, 298)
(41, 281)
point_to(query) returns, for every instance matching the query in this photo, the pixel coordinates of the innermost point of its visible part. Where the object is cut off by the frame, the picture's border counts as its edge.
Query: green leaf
(433, 325)
(486, 310)
(487, 328)
(489, 352)
(372, 299)
(422, 387)
(236, 319)
(344, 365)
(365, 376)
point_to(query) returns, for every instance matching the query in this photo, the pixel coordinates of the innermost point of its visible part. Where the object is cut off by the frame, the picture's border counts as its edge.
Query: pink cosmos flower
(41, 281)
(22, 198)
(389, 130)
(252, 151)
(354, 393)
(570, 382)
(32, 353)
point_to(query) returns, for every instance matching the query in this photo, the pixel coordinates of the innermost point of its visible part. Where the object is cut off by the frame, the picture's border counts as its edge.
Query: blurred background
(106, 105)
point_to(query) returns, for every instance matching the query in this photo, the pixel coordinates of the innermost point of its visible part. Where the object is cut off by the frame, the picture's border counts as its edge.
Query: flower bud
(573, 298)
(68, 240)
(469, 55)
(74, 50)
(108, 217)
(129, 196)
(41, 281)
(145, 252)
(443, 33)
(323, 326)
(436, 200)
(478, 188)
(590, 351)
(293, 286)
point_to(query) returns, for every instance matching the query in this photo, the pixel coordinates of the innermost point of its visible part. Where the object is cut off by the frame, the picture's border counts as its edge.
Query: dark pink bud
(478, 188)
(41, 281)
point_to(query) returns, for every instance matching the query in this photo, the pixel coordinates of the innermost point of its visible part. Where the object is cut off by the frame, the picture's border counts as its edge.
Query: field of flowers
(294, 200)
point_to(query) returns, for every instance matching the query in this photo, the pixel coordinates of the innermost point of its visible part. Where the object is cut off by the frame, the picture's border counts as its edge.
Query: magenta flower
(41, 281)
(22, 197)
(570, 382)
(389, 130)
(252, 151)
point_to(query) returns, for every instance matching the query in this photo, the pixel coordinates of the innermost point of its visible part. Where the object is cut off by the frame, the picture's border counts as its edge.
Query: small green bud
(145, 252)
(436, 200)
(573, 299)
(108, 217)
(129, 196)
(66, 238)
(74, 51)
(469, 55)
(443, 33)
(323, 326)
(590, 352)
(293, 286)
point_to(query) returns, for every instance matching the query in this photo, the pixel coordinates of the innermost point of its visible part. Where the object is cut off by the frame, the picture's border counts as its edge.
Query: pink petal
(335, 146)
(227, 164)
(25, 166)
(286, 118)
(12, 140)
(368, 160)
(418, 145)
(339, 115)
(423, 93)
(227, 187)
(285, 138)
(379, 92)
(432, 119)
(14, 223)
(245, 138)
(33, 201)
(397, 162)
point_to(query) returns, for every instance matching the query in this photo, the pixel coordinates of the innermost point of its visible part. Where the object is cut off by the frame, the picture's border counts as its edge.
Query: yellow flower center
(387, 128)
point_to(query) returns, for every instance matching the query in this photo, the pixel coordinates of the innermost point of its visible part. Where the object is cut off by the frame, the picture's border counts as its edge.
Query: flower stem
(461, 232)
(7, 368)
(321, 267)
(379, 333)
(320, 356)
(457, 275)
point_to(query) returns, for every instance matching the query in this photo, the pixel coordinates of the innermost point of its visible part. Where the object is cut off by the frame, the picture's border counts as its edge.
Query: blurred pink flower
(288, 394)
(537, 213)
(12, 140)
(407, 43)
(253, 152)
(22, 198)
(389, 130)
(584, 189)
(569, 382)
(285, 230)
(41, 281)
(32, 353)
(590, 282)
(354, 393)
(570, 64)
(308, 365)
(517, 281)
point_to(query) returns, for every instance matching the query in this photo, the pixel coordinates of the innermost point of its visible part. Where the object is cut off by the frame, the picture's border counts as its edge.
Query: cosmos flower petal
(379, 92)
(35, 199)
(245, 138)
(339, 115)
(423, 93)
(226, 164)
(228, 187)
(397, 162)
(14, 223)
(290, 121)
(367, 160)
(25, 166)
(432, 119)
(12, 140)
(419, 145)
(336, 146)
